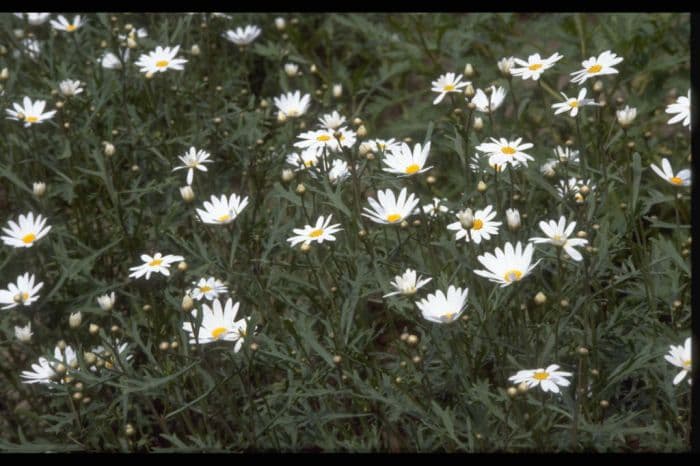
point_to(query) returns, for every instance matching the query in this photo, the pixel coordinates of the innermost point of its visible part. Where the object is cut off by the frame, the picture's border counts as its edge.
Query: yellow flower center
(573, 104)
(447, 317)
(205, 289)
(542, 375)
(508, 150)
(676, 180)
(478, 224)
(512, 275)
(535, 66)
(448, 87)
(392, 218)
(32, 119)
(686, 363)
(316, 233)
(162, 63)
(323, 138)
(28, 239)
(411, 169)
(155, 262)
(223, 218)
(595, 68)
(218, 332)
(293, 112)
(25, 297)
(71, 27)
(308, 163)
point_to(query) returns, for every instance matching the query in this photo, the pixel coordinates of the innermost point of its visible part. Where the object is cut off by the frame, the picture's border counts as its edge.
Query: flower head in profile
(111, 61)
(486, 104)
(161, 60)
(558, 235)
(573, 104)
(30, 112)
(508, 265)
(332, 120)
(308, 158)
(479, 226)
(34, 19)
(24, 334)
(390, 210)
(408, 283)
(534, 66)
(157, 263)
(218, 324)
(64, 25)
(243, 36)
(625, 116)
(292, 104)
(27, 232)
(22, 292)
(384, 145)
(221, 211)
(407, 162)
(106, 301)
(444, 308)
(505, 64)
(599, 66)
(322, 231)
(479, 164)
(447, 83)
(502, 151)
(193, 159)
(681, 107)
(682, 178)
(45, 371)
(565, 155)
(681, 356)
(209, 288)
(70, 88)
(435, 207)
(575, 187)
(549, 379)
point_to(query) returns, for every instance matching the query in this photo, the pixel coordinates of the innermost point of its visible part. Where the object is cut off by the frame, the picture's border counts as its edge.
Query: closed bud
(582, 350)
(404, 336)
(301, 189)
(404, 224)
(369, 156)
(129, 430)
(194, 50)
(478, 124)
(365, 148)
(512, 392)
(337, 90)
(164, 346)
(287, 175)
(581, 234)
(280, 23)
(131, 43)
(217, 120)
(60, 369)
(471, 105)
(313, 69)
(39, 188)
(468, 70)
(357, 121)
(522, 387)
(416, 359)
(430, 179)
(281, 117)
(598, 86)
(187, 193)
(149, 75)
(513, 219)
(264, 103)
(90, 358)
(337, 359)
(75, 319)
(540, 298)
(362, 233)
(93, 329)
(481, 187)
(677, 303)
(305, 247)
(469, 92)
(174, 345)
(291, 69)
(4, 74)
(604, 403)
(187, 303)
(564, 303)
(109, 149)
(362, 131)
(412, 340)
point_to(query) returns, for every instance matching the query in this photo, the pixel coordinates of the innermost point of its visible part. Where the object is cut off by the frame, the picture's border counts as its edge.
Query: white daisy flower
(291, 69)
(481, 227)
(596, 67)
(480, 164)
(627, 115)
(323, 231)
(547, 169)
(384, 145)
(218, 323)
(432, 209)
(565, 155)
(534, 66)
(681, 356)
(332, 140)
(292, 104)
(572, 104)
(64, 25)
(30, 113)
(193, 159)
(156, 263)
(28, 231)
(221, 211)
(486, 104)
(572, 187)
(339, 171)
(501, 151)
(108, 358)
(241, 36)
(513, 219)
(390, 210)
(139, 33)
(332, 121)
(31, 47)
(24, 334)
(69, 88)
(682, 178)
(558, 235)
(112, 62)
(507, 267)
(209, 288)
(408, 283)
(44, 371)
(682, 109)
(406, 162)
(161, 60)
(308, 158)
(505, 64)
(445, 84)
(35, 19)
(441, 308)
(106, 301)
(549, 379)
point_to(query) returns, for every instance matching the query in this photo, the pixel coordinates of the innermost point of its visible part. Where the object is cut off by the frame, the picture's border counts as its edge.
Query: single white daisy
(573, 187)
(221, 211)
(434, 208)
(508, 265)
(445, 84)
(479, 164)
(549, 379)
(332, 140)
(486, 104)
(558, 235)
(534, 66)
(481, 226)
(627, 115)
(441, 308)
(502, 151)
(308, 158)
(384, 145)
(681, 356)
(161, 60)
(323, 231)
(682, 178)
(332, 120)
(24, 334)
(218, 323)
(572, 104)
(106, 301)
(241, 36)
(505, 64)
(682, 109)
(35, 19)
(565, 155)
(156, 263)
(390, 210)
(193, 159)
(64, 25)
(408, 283)
(30, 113)
(339, 171)
(292, 104)
(69, 87)
(209, 288)
(406, 162)
(291, 69)
(28, 232)
(112, 62)
(596, 67)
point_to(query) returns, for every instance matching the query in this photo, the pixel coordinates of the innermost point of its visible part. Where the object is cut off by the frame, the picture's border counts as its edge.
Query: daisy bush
(345, 232)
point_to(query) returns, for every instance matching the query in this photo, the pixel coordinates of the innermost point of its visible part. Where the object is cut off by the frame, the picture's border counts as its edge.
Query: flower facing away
(626, 116)
(218, 323)
(221, 211)
(161, 60)
(241, 36)
(384, 145)
(681, 107)
(106, 301)
(307, 159)
(682, 178)
(44, 372)
(549, 379)
(501, 151)
(111, 61)
(508, 265)
(406, 162)
(445, 84)
(332, 120)
(156, 263)
(209, 288)
(64, 25)
(441, 308)
(292, 104)
(572, 104)
(322, 231)
(505, 64)
(558, 235)
(481, 226)
(596, 67)
(69, 88)
(27, 232)
(390, 210)
(193, 159)
(534, 66)
(407, 284)
(488, 104)
(30, 113)
(680, 356)
(24, 334)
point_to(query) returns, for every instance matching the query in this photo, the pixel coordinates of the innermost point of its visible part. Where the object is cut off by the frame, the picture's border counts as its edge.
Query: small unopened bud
(305, 247)
(280, 23)
(77, 396)
(264, 103)
(129, 430)
(430, 179)
(182, 266)
(362, 233)
(581, 234)
(59, 104)
(540, 298)
(584, 189)
(357, 121)
(404, 224)
(109, 149)
(362, 131)
(187, 193)
(174, 345)
(469, 91)
(481, 187)
(412, 340)
(512, 392)
(217, 120)
(631, 145)
(404, 336)
(598, 86)
(187, 303)
(398, 380)
(416, 222)
(677, 303)
(194, 50)
(468, 70)
(60, 369)
(39, 188)
(564, 303)
(75, 319)
(365, 148)
(149, 75)
(337, 90)
(370, 156)
(287, 175)
(416, 359)
(604, 403)
(164, 346)
(131, 43)
(466, 218)
(4, 74)
(93, 329)
(291, 69)
(522, 387)
(478, 124)
(513, 219)
(301, 189)
(582, 350)
(313, 69)
(337, 359)
(90, 358)
(471, 105)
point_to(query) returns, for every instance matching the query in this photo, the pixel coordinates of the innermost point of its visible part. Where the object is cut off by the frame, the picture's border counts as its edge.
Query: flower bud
(404, 336)
(522, 387)
(164, 346)
(280, 23)
(481, 187)
(598, 86)
(337, 359)
(60, 369)
(90, 358)
(564, 303)
(416, 359)
(291, 69)
(466, 218)
(281, 117)
(313, 69)
(362, 131)
(540, 298)
(39, 188)
(75, 319)
(187, 193)
(287, 175)
(187, 303)
(468, 70)
(149, 75)
(337, 90)
(24, 334)
(109, 149)
(194, 50)
(469, 91)
(305, 247)
(365, 148)
(4, 74)
(174, 345)
(301, 189)
(582, 350)
(604, 403)
(131, 43)
(478, 124)
(471, 105)
(626, 116)
(93, 329)
(182, 266)
(430, 179)
(412, 340)
(513, 219)
(512, 392)
(129, 430)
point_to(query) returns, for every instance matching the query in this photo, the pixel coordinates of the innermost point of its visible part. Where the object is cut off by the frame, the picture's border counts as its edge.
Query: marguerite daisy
(549, 379)
(445, 84)
(64, 25)
(384, 145)
(572, 104)
(221, 211)
(390, 210)
(441, 308)
(339, 171)
(44, 371)
(682, 178)
(480, 227)
(407, 284)
(161, 60)
(323, 231)
(292, 104)
(106, 301)
(209, 288)
(35, 19)
(681, 356)
(30, 113)
(156, 263)
(112, 61)
(682, 109)
(307, 159)
(573, 187)
(406, 162)
(24, 334)
(332, 120)
(486, 104)
(69, 88)
(24, 292)
(241, 36)
(501, 151)
(507, 267)
(332, 140)
(596, 67)
(534, 66)
(27, 232)
(218, 323)
(558, 235)
(193, 159)
(434, 208)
